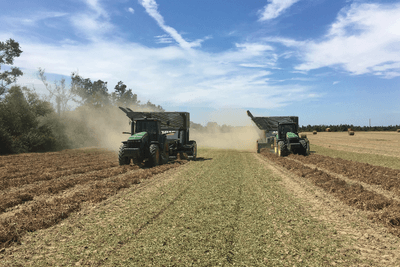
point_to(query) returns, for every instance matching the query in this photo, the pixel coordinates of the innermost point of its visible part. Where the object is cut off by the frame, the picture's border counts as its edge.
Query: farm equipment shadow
(202, 159)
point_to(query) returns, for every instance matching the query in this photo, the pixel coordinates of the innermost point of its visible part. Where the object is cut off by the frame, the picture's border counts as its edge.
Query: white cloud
(170, 75)
(365, 38)
(151, 8)
(274, 8)
(335, 82)
(29, 20)
(131, 10)
(164, 39)
(93, 23)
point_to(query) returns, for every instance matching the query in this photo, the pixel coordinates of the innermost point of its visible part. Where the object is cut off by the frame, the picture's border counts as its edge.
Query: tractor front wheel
(281, 149)
(121, 156)
(154, 155)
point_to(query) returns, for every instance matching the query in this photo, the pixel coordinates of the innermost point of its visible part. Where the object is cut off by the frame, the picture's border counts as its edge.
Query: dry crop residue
(382, 208)
(39, 190)
(362, 142)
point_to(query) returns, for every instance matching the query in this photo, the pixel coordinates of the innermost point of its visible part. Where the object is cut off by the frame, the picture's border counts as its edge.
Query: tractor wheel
(154, 159)
(194, 151)
(281, 149)
(306, 147)
(165, 154)
(123, 160)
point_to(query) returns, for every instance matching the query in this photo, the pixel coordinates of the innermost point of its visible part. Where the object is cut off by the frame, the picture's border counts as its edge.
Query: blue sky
(326, 61)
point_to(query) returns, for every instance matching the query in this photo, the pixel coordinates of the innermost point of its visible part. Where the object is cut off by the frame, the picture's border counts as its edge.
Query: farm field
(374, 142)
(230, 207)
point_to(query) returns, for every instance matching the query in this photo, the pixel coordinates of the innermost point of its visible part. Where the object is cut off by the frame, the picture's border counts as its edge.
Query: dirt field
(230, 207)
(39, 190)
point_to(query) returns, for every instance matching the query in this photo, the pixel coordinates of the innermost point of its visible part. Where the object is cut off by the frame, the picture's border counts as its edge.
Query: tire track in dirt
(151, 220)
(46, 212)
(368, 238)
(230, 240)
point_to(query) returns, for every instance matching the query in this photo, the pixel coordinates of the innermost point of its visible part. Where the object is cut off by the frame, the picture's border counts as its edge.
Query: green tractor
(146, 143)
(288, 141)
(155, 137)
(279, 135)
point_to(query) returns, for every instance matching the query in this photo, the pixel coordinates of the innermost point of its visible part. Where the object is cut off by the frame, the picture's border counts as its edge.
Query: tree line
(345, 127)
(30, 123)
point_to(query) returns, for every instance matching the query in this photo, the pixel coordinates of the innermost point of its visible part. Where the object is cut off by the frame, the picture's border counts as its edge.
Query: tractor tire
(281, 149)
(154, 159)
(306, 147)
(121, 156)
(194, 151)
(165, 154)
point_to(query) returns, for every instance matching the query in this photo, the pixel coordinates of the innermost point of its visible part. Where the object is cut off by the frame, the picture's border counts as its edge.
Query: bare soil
(39, 190)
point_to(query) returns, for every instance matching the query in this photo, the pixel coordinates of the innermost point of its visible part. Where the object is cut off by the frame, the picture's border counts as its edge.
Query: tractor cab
(284, 128)
(151, 126)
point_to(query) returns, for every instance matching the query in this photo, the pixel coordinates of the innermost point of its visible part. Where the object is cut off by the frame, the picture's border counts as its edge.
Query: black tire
(165, 154)
(281, 149)
(306, 147)
(154, 159)
(121, 156)
(194, 151)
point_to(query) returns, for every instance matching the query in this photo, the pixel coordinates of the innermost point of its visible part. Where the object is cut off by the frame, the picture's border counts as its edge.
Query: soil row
(48, 176)
(54, 186)
(42, 214)
(387, 178)
(47, 164)
(383, 209)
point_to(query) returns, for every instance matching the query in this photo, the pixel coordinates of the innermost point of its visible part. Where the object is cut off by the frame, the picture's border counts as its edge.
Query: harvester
(280, 133)
(155, 137)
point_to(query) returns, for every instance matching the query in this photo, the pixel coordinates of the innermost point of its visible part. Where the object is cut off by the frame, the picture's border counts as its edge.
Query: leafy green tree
(124, 97)
(26, 124)
(8, 51)
(92, 93)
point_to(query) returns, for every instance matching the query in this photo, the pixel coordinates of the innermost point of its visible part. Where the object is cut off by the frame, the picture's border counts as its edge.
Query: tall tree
(92, 93)
(122, 96)
(8, 51)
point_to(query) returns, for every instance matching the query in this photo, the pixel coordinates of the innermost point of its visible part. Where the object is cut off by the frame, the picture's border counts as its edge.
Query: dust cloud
(103, 127)
(241, 138)
(242, 135)
(98, 127)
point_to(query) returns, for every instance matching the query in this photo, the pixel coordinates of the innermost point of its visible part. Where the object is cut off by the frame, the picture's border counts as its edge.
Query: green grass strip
(374, 159)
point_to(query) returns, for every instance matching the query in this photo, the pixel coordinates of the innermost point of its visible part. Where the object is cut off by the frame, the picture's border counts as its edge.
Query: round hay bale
(351, 132)
(398, 130)
(303, 135)
(327, 129)
(314, 132)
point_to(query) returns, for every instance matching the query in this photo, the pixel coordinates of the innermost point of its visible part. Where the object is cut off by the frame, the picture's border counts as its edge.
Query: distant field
(378, 143)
